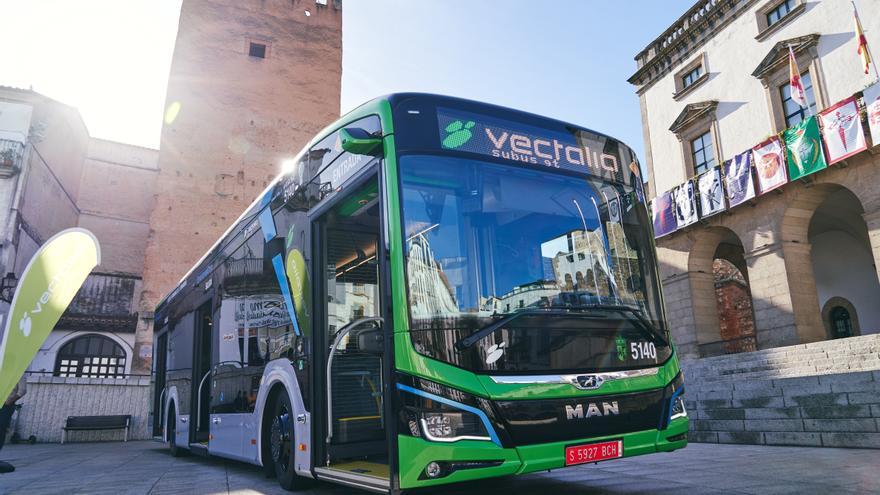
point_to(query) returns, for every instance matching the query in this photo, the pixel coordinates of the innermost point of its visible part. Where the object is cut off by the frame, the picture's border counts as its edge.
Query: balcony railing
(10, 157)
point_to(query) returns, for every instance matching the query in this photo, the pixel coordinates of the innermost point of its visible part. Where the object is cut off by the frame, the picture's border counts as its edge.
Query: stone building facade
(54, 176)
(251, 82)
(783, 241)
(710, 87)
(60, 178)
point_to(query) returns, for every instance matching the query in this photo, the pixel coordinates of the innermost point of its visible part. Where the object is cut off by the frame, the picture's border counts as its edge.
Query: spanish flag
(863, 42)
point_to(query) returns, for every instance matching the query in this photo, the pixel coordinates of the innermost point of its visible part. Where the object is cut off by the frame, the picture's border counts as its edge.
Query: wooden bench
(93, 423)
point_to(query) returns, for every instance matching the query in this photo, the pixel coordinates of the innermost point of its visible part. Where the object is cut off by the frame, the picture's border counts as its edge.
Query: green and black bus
(435, 290)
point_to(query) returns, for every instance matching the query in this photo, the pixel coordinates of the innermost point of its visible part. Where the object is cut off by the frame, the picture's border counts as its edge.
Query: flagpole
(867, 48)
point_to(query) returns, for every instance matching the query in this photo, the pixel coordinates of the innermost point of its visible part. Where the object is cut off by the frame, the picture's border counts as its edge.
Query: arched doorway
(843, 266)
(91, 355)
(722, 299)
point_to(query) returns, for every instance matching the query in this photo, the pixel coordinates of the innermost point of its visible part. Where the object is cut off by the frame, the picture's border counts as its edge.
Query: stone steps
(828, 357)
(834, 410)
(819, 394)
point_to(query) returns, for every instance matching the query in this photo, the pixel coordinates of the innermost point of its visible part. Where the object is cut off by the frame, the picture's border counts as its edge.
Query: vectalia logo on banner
(48, 284)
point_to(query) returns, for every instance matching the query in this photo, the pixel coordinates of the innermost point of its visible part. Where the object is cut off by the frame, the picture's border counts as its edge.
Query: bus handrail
(199, 406)
(202, 382)
(339, 335)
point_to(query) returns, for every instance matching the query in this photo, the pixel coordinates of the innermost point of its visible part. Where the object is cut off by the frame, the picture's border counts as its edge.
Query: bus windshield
(485, 241)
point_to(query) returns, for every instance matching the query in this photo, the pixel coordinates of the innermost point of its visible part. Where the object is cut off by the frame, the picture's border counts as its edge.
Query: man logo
(589, 382)
(577, 412)
(495, 352)
(24, 324)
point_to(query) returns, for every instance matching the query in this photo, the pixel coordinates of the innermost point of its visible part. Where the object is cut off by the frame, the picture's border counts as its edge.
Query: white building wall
(743, 112)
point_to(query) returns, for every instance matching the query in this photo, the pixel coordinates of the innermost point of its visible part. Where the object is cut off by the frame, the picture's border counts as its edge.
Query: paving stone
(772, 413)
(864, 397)
(723, 413)
(865, 440)
(814, 400)
(841, 425)
(760, 402)
(748, 437)
(774, 425)
(851, 411)
(792, 438)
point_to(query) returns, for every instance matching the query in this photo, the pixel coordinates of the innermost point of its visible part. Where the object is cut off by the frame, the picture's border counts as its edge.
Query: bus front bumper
(416, 454)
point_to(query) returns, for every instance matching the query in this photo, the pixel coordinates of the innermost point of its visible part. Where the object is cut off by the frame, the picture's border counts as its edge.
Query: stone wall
(820, 394)
(50, 400)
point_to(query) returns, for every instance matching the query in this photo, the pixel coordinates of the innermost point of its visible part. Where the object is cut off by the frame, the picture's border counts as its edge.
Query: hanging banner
(711, 193)
(769, 160)
(804, 149)
(842, 130)
(872, 105)
(48, 283)
(738, 178)
(663, 215)
(685, 199)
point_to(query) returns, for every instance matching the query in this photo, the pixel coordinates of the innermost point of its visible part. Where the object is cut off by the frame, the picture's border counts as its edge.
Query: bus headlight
(452, 426)
(677, 410)
(442, 414)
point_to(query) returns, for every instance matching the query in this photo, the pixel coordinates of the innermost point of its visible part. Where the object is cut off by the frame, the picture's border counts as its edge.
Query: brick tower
(251, 82)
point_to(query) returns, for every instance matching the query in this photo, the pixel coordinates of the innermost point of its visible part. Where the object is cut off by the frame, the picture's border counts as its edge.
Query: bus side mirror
(359, 142)
(371, 341)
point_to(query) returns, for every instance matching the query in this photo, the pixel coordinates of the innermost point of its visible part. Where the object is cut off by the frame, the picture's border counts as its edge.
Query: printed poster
(685, 199)
(711, 192)
(842, 130)
(663, 215)
(872, 104)
(769, 158)
(738, 178)
(804, 149)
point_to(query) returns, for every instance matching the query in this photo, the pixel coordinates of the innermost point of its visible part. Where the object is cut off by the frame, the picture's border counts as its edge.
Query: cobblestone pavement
(146, 468)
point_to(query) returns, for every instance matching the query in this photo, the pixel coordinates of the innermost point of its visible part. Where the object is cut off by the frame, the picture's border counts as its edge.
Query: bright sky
(110, 58)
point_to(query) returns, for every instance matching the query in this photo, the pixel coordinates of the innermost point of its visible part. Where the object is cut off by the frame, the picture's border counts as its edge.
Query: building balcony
(10, 157)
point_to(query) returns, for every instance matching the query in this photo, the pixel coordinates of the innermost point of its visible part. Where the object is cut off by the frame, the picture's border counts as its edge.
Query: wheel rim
(279, 439)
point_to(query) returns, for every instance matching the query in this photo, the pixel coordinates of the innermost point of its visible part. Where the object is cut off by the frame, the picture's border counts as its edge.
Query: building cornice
(683, 38)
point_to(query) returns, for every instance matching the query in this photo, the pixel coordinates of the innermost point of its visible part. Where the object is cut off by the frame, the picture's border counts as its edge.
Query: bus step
(159, 439)
(199, 449)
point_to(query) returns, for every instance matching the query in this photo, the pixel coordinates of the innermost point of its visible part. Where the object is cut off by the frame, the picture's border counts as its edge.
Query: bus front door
(353, 423)
(201, 396)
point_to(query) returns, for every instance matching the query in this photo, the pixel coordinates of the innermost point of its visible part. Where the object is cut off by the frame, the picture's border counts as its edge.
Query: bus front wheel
(281, 443)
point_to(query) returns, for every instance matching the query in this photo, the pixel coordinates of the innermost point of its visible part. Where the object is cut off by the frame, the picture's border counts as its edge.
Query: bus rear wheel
(281, 443)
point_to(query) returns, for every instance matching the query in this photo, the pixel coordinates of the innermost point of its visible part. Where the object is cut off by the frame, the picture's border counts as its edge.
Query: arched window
(841, 323)
(91, 355)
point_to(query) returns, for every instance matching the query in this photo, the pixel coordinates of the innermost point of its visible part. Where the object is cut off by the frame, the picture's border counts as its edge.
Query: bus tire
(281, 443)
(172, 434)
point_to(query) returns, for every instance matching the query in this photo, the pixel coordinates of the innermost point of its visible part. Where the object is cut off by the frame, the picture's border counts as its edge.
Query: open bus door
(351, 434)
(201, 380)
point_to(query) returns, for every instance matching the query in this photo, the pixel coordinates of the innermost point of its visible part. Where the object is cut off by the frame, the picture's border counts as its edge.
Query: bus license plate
(593, 452)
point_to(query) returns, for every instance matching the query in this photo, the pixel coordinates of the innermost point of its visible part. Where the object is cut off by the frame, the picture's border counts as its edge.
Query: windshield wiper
(564, 310)
(475, 337)
(637, 315)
